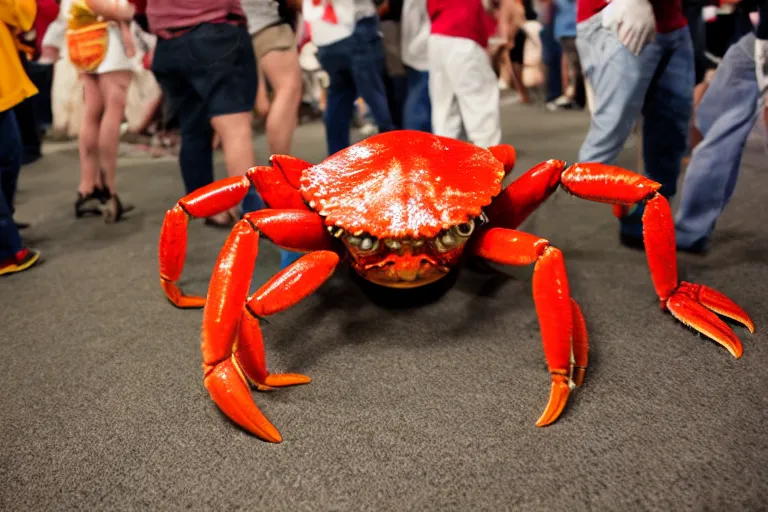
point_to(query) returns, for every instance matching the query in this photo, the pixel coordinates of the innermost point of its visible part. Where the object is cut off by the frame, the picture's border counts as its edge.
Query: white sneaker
(369, 129)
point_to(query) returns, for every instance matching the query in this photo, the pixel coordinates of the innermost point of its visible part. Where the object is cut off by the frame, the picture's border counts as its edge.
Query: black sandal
(114, 209)
(88, 204)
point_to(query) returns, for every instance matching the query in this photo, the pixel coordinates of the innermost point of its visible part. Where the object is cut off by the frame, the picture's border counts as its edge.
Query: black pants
(34, 112)
(207, 72)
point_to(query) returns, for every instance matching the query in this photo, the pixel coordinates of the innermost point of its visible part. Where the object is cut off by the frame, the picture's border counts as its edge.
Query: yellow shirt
(15, 85)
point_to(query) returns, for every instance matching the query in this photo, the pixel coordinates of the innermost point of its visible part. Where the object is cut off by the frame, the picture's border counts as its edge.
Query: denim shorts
(212, 64)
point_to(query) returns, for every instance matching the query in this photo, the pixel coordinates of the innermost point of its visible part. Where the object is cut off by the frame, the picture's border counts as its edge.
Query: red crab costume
(402, 208)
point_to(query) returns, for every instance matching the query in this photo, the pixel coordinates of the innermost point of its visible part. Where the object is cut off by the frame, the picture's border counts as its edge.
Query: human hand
(761, 65)
(632, 21)
(48, 55)
(117, 10)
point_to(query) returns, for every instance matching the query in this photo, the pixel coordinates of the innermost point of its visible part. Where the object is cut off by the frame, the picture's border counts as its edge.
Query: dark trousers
(356, 68)
(11, 153)
(28, 113)
(206, 72)
(397, 92)
(698, 30)
(552, 55)
(568, 45)
(418, 107)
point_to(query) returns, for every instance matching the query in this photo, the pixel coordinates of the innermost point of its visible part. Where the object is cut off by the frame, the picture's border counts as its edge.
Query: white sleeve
(54, 34)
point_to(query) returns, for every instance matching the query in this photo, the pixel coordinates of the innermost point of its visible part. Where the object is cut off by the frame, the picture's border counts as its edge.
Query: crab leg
(204, 202)
(505, 154)
(278, 185)
(525, 194)
(232, 346)
(692, 304)
(563, 331)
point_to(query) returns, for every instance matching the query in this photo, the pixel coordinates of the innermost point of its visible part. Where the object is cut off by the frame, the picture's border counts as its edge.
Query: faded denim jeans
(726, 115)
(657, 84)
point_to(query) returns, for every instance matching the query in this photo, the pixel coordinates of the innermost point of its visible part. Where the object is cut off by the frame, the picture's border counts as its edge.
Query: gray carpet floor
(413, 406)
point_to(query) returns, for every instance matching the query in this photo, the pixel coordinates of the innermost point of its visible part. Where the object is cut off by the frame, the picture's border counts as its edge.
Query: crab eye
(465, 229)
(392, 244)
(369, 243)
(447, 241)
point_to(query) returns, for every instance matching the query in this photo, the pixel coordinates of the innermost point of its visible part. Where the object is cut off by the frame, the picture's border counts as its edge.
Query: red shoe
(23, 260)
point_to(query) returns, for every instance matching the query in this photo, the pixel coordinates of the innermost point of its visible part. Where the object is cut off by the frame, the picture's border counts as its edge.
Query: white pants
(464, 91)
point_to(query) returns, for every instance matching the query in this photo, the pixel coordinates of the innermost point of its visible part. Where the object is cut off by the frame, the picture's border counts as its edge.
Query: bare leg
(281, 68)
(90, 177)
(262, 98)
(114, 89)
(236, 135)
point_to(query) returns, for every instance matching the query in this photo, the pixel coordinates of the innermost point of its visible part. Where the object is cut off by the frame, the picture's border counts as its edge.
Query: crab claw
(558, 397)
(691, 304)
(229, 390)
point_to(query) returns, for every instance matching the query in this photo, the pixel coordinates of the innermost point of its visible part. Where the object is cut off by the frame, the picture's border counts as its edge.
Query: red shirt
(459, 18)
(669, 13)
(47, 11)
(165, 17)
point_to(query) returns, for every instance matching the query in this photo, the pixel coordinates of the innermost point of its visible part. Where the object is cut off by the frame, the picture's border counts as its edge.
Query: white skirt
(115, 59)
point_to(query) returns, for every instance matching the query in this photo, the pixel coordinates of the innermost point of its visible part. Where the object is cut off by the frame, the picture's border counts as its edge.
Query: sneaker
(700, 248)
(23, 260)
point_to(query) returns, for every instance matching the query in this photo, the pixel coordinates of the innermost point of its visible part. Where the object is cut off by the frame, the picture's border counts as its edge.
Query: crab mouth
(406, 273)
(406, 262)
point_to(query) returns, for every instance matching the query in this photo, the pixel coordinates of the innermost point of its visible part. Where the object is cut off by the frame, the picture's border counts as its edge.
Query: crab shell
(404, 184)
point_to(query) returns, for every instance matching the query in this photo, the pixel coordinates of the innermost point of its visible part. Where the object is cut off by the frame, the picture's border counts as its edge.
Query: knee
(92, 112)
(115, 102)
(290, 88)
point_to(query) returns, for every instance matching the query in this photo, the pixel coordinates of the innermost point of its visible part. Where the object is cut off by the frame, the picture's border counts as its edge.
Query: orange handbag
(88, 46)
(87, 37)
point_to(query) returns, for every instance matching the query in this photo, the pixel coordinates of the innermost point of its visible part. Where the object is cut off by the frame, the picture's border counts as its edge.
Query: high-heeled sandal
(88, 204)
(114, 209)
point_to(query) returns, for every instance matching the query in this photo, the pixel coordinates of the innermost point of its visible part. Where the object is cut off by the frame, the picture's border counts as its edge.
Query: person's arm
(117, 10)
(18, 13)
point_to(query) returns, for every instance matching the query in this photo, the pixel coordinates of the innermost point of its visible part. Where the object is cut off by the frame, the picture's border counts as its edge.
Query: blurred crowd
(688, 75)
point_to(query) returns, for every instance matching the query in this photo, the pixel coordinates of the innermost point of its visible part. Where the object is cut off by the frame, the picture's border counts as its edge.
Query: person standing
(565, 31)
(205, 65)
(15, 87)
(415, 29)
(638, 59)
(277, 56)
(350, 50)
(106, 76)
(396, 79)
(462, 84)
(726, 115)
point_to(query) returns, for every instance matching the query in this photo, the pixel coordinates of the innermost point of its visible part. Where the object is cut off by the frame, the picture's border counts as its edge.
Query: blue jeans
(726, 115)
(552, 56)
(657, 84)
(356, 68)
(11, 153)
(418, 107)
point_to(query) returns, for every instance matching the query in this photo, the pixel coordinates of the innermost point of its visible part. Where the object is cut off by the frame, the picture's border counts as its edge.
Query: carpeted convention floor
(427, 404)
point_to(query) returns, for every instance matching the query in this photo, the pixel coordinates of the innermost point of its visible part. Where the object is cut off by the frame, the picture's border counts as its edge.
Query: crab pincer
(232, 344)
